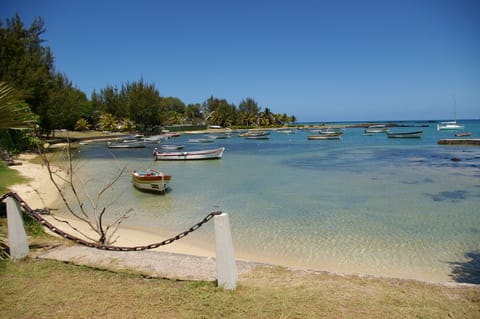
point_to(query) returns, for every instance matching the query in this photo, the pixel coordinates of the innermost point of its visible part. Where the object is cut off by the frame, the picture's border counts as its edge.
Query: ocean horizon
(371, 205)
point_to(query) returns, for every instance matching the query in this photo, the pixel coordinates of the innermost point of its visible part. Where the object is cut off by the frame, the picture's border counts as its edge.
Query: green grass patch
(9, 177)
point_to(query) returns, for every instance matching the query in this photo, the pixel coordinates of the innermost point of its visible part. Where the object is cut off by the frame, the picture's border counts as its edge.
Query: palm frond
(14, 113)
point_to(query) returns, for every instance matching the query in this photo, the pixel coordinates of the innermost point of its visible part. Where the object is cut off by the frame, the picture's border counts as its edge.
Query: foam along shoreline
(39, 193)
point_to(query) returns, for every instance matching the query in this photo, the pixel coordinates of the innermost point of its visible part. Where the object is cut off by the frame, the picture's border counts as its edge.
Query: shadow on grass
(467, 272)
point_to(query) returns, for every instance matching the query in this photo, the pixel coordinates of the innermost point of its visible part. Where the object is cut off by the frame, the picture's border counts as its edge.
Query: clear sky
(334, 60)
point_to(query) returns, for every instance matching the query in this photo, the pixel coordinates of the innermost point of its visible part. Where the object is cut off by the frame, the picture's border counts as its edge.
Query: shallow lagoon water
(364, 204)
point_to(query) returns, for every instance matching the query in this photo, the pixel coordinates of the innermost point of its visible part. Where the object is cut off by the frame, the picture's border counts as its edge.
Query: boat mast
(454, 109)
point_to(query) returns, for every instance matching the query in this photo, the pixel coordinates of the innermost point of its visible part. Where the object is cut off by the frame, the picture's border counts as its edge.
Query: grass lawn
(36, 288)
(8, 177)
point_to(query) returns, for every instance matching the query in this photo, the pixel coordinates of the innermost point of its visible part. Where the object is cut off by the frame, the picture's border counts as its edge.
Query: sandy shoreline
(39, 193)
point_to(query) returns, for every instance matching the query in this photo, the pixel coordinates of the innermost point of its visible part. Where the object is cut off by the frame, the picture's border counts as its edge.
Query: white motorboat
(190, 155)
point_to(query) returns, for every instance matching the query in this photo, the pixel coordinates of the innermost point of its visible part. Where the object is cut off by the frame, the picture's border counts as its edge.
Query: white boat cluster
(154, 181)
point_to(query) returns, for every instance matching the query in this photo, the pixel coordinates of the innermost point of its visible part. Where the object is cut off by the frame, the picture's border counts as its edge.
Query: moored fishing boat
(257, 135)
(151, 180)
(170, 147)
(416, 134)
(200, 140)
(191, 155)
(378, 128)
(220, 136)
(155, 139)
(287, 131)
(324, 137)
(451, 125)
(330, 132)
(463, 134)
(128, 143)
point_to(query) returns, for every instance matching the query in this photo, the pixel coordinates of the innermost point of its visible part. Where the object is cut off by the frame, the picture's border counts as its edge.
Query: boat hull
(193, 155)
(463, 134)
(446, 127)
(256, 135)
(156, 182)
(417, 134)
(171, 147)
(324, 137)
(200, 140)
(125, 145)
(259, 137)
(374, 129)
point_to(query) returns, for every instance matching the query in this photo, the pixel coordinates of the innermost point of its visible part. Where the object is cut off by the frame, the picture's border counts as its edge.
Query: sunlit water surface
(364, 204)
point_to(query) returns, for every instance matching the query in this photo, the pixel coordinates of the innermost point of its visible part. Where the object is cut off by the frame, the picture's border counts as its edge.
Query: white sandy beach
(39, 192)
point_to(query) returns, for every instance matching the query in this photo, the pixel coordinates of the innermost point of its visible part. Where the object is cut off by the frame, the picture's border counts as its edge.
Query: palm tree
(14, 114)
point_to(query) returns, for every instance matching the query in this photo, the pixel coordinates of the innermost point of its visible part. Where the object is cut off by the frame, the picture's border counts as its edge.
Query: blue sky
(320, 60)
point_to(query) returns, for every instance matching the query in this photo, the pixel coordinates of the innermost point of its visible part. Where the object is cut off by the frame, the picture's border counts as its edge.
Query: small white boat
(155, 139)
(287, 131)
(128, 143)
(451, 125)
(170, 147)
(416, 134)
(219, 136)
(330, 132)
(151, 180)
(191, 155)
(462, 134)
(200, 140)
(324, 137)
(378, 128)
(257, 135)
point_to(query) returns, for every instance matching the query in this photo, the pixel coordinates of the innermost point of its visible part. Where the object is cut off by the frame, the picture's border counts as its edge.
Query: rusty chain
(38, 217)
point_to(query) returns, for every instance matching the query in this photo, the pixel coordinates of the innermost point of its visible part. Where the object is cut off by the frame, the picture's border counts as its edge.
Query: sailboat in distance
(451, 125)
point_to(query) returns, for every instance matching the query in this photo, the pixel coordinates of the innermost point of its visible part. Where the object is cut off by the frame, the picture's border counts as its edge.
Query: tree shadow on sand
(467, 272)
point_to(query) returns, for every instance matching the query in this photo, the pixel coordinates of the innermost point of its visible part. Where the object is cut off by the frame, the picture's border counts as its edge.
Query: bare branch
(73, 227)
(109, 185)
(116, 224)
(106, 234)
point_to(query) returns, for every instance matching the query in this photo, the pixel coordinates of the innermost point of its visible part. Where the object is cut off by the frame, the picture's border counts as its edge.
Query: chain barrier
(36, 214)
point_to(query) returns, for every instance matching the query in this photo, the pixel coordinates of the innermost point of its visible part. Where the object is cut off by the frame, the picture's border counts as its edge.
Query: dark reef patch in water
(474, 230)
(415, 182)
(467, 272)
(453, 196)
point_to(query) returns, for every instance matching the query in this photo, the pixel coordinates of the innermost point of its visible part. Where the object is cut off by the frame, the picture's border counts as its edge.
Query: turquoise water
(363, 204)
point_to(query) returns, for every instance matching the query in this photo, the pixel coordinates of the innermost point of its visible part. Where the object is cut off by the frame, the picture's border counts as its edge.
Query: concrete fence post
(17, 238)
(227, 274)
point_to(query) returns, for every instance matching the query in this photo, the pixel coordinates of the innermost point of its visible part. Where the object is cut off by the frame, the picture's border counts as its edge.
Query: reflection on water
(365, 204)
